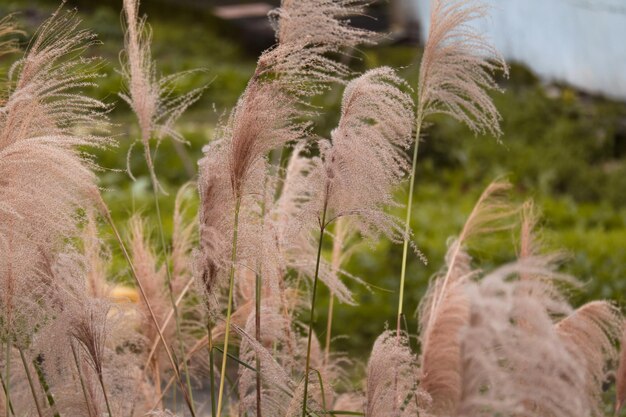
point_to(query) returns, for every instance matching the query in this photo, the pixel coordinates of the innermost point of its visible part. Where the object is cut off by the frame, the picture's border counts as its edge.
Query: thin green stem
(211, 362)
(169, 283)
(104, 392)
(312, 316)
(6, 396)
(329, 327)
(338, 243)
(142, 291)
(407, 222)
(80, 378)
(41, 376)
(7, 377)
(231, 284)
(30, 383)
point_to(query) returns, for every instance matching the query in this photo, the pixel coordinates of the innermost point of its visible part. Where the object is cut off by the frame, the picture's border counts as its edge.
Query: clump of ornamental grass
(157, 109)
(268, 116)
(46, 178)
(504, 341)
(361, 165)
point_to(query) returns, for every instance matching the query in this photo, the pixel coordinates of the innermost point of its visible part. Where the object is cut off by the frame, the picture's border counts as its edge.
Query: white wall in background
(582, 42)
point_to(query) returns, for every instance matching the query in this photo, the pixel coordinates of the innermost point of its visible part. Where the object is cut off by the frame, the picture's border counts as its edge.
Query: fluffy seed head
(456, 73)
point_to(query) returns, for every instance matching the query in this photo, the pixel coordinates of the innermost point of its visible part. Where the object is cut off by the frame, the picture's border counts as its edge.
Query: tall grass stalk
(211, 363)
(338, 243)
(312, 316)
(231, 284)
(104, 392)
(44, 385)
(407, 221)
(168, 274)
(81, 378)
(31, 384)
(6, 397)
(168, 352)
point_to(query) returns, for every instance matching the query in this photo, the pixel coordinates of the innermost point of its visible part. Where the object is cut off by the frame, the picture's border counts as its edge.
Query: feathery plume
(456, 73)
(214, 222)
(367, 158)
(152, 279)
(590, 333)
(513, 360)
(151, 97)
(90, 331)
(392, 384)
(440, 333)
(45, 177)
(356, 179)
(183, 239)
(529, 244)
(97, 257)
(262, 120)
(307, 34)
(7, 29)
(291, 219)
(445, 311)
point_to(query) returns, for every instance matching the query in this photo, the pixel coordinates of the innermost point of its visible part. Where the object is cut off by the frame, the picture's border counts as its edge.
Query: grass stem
(170, 290)
(30, 383)
(407, 222)
(211, 362)
(338, 242)
(41, 376)
(312, 316)
(7, 378)
(104, 392)
(8, 400)
(82, 381)
(142, 291)
(8, 404)
(229, 308)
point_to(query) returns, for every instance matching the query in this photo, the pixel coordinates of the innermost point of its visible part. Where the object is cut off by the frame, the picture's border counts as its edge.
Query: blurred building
(581, 42)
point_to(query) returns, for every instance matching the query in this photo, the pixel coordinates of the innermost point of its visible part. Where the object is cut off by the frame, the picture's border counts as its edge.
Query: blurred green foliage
(564, 149)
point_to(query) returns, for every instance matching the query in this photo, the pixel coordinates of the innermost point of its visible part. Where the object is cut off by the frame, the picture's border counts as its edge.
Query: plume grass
(455, 77)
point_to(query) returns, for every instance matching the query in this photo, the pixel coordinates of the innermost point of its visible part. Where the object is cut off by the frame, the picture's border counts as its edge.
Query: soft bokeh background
(564, 148)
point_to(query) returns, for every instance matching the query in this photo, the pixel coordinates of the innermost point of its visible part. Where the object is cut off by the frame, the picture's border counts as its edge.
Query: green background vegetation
(561, 147)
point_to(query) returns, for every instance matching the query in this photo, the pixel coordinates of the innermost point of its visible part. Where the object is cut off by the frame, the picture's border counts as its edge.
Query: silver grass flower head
(591, 334)
(262, 120)
(151, 97)
(89, 329)
(458, 66)
(392, 384)
(272, 334)
(367, 158)
(445, 309)
(513, 358)
(44, 120)
(307, 33)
